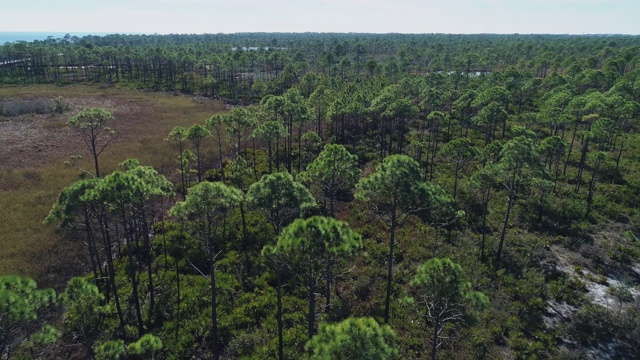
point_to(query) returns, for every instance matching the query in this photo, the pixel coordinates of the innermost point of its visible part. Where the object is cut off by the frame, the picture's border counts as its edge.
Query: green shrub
(59, 105)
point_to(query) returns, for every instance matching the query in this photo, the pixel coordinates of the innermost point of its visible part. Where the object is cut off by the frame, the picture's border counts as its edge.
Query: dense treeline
(468, 192)
(249, 66)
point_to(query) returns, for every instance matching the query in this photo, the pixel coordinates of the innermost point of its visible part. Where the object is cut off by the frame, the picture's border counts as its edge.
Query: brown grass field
(33, 149)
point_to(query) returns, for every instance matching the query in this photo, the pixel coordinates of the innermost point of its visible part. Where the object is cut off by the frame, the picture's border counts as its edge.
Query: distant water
(31, 36)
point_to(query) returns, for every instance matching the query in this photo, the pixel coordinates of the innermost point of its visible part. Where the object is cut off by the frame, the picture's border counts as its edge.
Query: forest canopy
(410, 196)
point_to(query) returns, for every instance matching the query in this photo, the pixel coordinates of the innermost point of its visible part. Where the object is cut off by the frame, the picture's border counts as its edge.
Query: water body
(31, 36)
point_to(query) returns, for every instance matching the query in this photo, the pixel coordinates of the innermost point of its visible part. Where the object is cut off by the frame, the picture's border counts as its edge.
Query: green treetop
(353, 339)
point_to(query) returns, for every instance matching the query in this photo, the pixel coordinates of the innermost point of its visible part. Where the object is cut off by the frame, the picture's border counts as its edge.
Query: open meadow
(33, 152)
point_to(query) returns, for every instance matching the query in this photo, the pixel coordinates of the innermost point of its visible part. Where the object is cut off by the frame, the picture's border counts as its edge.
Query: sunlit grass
(27, 196)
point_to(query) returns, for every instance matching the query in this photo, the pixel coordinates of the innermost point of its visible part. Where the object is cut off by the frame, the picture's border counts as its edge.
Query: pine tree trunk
(434, 345)
(220, 154)
(91, 246)
(485, 210)
(279, 313)
(214, 305)
(149, 260)
(455, 181)
(573, 138)
(387, 302)
(504, 227)
(583, 159)
(133, 276)
(104, 226)
(312, 306)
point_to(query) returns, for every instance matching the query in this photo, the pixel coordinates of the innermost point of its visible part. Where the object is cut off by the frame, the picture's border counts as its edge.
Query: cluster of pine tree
(374, 197)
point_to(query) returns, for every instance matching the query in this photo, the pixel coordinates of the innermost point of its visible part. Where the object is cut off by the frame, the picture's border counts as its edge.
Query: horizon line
(308, 32)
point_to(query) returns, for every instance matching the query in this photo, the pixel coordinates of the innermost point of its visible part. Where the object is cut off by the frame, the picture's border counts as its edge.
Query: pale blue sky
(377, 16)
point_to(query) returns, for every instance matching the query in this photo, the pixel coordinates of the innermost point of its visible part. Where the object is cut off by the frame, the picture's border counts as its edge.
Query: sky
(366, 16)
